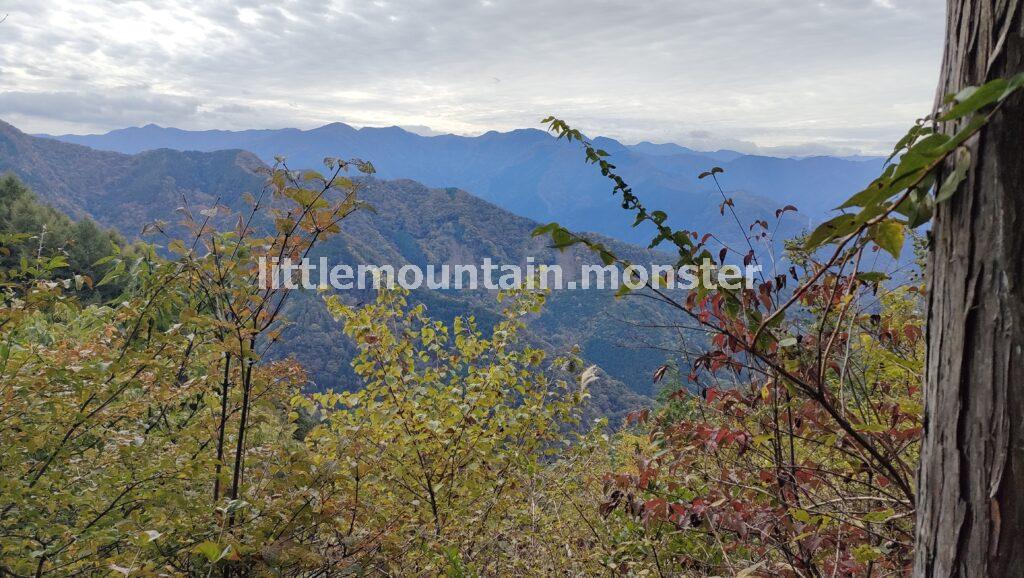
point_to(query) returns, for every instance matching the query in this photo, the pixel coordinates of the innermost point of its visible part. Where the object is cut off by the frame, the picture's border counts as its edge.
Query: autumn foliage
(149, 435)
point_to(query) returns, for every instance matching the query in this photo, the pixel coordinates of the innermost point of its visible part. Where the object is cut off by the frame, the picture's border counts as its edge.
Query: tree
(81, 243)
(445, 443)
(971, 482)
(125, 426)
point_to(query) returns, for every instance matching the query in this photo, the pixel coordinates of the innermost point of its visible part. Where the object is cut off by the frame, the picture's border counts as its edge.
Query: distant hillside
(123, 190)
(413, 224)
(531, 174)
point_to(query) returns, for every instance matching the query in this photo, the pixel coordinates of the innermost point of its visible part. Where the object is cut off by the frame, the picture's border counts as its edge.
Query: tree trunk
(970, 519)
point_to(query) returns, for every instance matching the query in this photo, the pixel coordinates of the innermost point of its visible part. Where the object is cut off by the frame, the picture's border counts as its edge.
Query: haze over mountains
(531, 174)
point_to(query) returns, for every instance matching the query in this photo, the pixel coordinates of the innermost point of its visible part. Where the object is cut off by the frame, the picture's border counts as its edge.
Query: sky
(769, 76)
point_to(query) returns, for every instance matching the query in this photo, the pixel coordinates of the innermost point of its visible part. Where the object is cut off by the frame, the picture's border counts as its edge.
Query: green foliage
(447, 431)
(81, 244)
(152, 437)
(126, 428)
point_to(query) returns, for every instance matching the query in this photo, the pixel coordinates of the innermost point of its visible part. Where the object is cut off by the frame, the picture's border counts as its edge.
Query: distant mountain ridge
(530, 173)
(671, 149)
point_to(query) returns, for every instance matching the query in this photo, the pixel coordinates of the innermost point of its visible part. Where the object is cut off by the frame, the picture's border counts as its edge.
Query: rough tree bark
(971, 482)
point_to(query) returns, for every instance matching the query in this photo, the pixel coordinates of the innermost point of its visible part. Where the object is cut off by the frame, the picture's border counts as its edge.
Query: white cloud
(846, 74)
(124, 106)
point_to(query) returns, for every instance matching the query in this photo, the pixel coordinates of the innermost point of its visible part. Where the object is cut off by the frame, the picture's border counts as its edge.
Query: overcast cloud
(789, 76)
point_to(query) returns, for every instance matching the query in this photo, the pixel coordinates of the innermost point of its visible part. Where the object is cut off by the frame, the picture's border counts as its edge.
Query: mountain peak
(8, 128)
(516, 135)
(333, 127)
(393, 129)
(608, 144)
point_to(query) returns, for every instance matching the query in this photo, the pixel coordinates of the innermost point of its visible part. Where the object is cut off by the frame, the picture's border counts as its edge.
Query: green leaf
(656, 241)
(682, 239)
(544, 229)
(968, 101)
(930, 144)
(57, 262)
(915, 131)
(561, 238)
(1012, 85)
(831, 229)
(972, 126)
(889, 236)
(177, 246)
(211, 550)
(879, 516)
(112, 274)
(872, 277)
(912, 163)
(236, 505)
(918, 206)
(800, 515)
(866, 553)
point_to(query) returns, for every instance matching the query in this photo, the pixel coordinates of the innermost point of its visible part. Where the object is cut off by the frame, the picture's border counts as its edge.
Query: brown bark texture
(970, 519)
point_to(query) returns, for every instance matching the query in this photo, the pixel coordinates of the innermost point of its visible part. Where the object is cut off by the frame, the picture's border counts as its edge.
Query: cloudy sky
(783, 76)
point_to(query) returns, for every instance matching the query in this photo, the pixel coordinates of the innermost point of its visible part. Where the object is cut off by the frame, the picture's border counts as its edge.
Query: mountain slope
(413, 224)
(123, 190)
(532, 174)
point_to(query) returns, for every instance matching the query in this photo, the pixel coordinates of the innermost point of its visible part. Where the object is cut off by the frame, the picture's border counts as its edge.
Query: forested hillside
(412, 224)
(79, 244)
(151, 423)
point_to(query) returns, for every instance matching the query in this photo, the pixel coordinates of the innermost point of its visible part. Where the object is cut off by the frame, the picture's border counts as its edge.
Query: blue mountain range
(532, 174)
